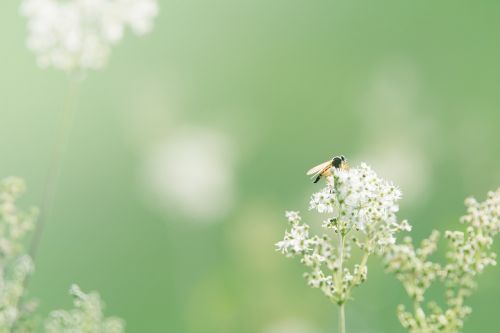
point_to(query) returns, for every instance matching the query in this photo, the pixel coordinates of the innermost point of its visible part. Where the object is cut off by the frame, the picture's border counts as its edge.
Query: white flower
(78, 34)
(348, 277)
(322, 201)
(293, 217)
(295, 241)
(360, 209)
(361, 200)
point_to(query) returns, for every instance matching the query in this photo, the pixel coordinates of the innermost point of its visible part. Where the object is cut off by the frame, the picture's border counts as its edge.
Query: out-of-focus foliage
(469, 253)
(86, 317)
(15, 265)
(17, 313)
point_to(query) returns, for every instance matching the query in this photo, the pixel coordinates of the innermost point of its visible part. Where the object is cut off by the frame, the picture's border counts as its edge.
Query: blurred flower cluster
(16, 312)
(469, 253)
(15, 265)
(204, 160)
(86, 317)
(78, 34)
(360, 211)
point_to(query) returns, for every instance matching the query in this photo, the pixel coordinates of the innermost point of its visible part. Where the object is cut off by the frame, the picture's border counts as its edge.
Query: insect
(323, 169)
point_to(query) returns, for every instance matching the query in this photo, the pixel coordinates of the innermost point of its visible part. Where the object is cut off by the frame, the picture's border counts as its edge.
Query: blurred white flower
(292, 216)
(192, 173)
(399, 137)
(86, 316)
(78, 34)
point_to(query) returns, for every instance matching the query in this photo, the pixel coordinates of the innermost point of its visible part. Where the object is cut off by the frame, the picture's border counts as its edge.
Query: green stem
(65, 129)
(364, 259)
(340, 278)
(340, 272)
(342, 318)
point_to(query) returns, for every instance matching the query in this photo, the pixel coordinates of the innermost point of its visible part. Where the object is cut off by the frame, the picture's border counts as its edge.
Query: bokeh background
(190, 145)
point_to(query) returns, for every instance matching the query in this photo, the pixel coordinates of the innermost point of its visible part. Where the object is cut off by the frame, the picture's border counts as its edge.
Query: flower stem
(65, 129)
(342, 318)
(340, 272)
(340, 278)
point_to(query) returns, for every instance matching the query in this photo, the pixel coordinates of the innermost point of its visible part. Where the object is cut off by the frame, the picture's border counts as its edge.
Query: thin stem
(358, 275)
(65, 129)
(364, 259)
(342, 318)
(340, 272)
(340, 278)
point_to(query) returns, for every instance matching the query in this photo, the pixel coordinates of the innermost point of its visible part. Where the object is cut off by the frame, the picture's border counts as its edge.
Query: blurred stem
(420, 316)
(59, 150)
(365, 259)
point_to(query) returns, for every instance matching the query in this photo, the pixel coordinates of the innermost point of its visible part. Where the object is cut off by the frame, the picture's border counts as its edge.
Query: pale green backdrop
(411, 87)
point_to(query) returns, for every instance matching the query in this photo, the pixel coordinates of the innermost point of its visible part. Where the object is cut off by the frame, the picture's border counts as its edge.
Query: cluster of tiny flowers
(86, 317)
(411, 267)
(359, 199)
(469, 253)
(78, 34)
(360, 209)
(15, 265)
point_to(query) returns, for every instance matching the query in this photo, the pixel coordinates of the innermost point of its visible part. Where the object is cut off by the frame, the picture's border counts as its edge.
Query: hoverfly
(323, 170)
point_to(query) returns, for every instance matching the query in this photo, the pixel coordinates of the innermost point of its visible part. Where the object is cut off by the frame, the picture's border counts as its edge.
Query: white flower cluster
(78, 34)
(86, 317)
(15, 266)
(468, 255)
(361, 210)
(359, 199)
(412, 267)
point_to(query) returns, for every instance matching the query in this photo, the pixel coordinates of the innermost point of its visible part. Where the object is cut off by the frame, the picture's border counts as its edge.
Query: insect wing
(318, 168)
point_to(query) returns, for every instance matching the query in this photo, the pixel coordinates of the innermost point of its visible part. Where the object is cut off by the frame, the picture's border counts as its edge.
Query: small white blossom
(78, 34)
(293, 217)
(323, 201)
(348, 277)
(296, 240)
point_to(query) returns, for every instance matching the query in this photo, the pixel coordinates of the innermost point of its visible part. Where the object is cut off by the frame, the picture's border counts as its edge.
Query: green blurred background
(247, 95)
